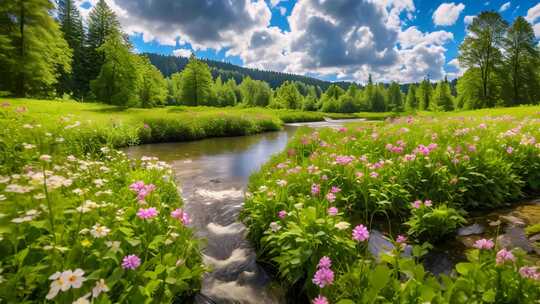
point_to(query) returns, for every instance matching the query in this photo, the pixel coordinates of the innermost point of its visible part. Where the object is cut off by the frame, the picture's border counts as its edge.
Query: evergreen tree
(329, 100)
(255, 93)
(481, 48)
(310, 102)
(152, 87)
(118, 80)
(33, 50)
(395, 100)
(72, 26)
(411, 103)
(442, 99)
(196, 83)
(522, 57)
(423, 94)
(102, 22)
(378, 99)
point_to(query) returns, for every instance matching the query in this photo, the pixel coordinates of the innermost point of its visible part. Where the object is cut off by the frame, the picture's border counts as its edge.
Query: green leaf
(489, 296)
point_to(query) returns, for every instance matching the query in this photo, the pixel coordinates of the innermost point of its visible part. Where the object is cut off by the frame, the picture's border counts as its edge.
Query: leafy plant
(434, 223)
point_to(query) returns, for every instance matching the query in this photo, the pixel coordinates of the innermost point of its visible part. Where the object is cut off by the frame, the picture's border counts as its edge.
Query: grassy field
(122, 127)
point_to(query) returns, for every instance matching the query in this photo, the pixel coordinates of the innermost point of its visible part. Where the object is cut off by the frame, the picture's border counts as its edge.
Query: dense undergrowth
(422, 172)
(81, 222)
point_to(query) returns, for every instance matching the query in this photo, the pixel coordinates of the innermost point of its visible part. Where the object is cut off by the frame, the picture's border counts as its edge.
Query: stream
(213, 174)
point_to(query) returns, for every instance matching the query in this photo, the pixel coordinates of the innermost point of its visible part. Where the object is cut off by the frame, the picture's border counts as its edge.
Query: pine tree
(442, 99)
(102, 22)
(378, 99)
(424, 92)
(224, 93)
(72, 26)
(255, 92)
(411, 103)
(175, 88)
(196, 83)
(118, 80)
(395, 100)
(33, 51)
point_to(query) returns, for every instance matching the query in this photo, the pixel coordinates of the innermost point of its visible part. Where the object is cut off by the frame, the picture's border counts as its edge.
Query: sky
(394, 40)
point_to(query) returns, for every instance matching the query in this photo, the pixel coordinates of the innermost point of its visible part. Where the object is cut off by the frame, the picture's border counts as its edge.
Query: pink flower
(323, 277)
(484, 244)
(146, 126)
(344, 160)
(131, 262)
(401, 239)
(529, 272)
(374, 174)
(342, 129)
(282, 214)
(148, 213)
(503, 256)
(335, 189)
(360, 233)
(416, 204)
(331, 197)
(428, 203)
(332, 211)
(509, 150)
(137, 186)
(315, 189)
(320, 300)
(324, 262)
(359, 174)
(181, 215)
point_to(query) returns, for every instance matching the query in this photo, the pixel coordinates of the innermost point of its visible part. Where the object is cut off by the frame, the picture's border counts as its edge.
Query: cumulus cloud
(349, 39)
(504, 7)
(182, 52)
(458, 70)
(468, 19)
(447, 13)
(533, 14)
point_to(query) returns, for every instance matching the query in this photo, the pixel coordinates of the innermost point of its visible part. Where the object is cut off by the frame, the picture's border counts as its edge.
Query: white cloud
(459, 70)
(536, 28)
(412, 36)
(504, 7)
(274, 3)
(533, 13)
(282, 10)
(447, 13)
(182, 52)
(468, 19)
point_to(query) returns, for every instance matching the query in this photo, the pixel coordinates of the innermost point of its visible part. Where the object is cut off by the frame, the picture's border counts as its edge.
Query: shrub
(433, 223)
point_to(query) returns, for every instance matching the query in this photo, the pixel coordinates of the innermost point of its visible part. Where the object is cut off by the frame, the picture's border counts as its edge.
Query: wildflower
(324, 262)
(114, 245)
(45, 158)
(320, 300)
(335, 189)
(331, 197)
(99, 288)
(360, 233)
(58, 283)
(428, 203)
(323, 277)
(401, 239)
(298, 205)
(281, 182)
(274, 227)
(484, 244)
(509, 150)
(148, 213)
(86, 243)
(359, 175)
(282, 214)
(181, 215)
(374, 174)
(343, 160)
(315, 189)
(416, 204)
(342, 225)
(74, 279)
(529, 272)
(332, 211)
(99, 231)
(131, 262)
(503, 256)
(83, 299)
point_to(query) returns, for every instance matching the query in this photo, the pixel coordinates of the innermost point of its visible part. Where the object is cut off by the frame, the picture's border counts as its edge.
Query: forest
(96, 62)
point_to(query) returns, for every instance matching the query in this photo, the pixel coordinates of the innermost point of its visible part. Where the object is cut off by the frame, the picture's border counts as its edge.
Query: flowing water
(213, 174)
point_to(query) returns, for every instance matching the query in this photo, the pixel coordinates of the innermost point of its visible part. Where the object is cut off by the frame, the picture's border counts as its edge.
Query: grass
(420, 174)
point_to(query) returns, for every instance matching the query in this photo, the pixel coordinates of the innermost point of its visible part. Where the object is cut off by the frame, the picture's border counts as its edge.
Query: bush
(433, 223)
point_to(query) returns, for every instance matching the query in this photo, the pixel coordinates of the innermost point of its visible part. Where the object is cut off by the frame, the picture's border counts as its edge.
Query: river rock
(379, 243)
(515, 237)
(513, 220)
(535, 238)
(471, 229)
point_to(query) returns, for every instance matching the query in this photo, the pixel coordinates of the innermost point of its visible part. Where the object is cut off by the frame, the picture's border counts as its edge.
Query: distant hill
(169, 64)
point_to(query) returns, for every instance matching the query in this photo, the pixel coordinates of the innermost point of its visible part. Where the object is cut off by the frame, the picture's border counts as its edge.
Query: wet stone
(515, 237)
(513, 220)
(535, 238)
(471, 229)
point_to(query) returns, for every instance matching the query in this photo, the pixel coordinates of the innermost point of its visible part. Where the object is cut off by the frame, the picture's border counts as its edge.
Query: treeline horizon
(62, 57)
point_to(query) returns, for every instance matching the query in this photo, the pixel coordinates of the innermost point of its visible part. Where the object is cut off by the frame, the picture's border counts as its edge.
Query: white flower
(4, 179)
(2, 197)
(60, 139)
(263, 188)
(74, 279)
(83, 299)
(45, 158)
(39, 196)
(298, 205)
(99, 288)
(105, 150)
(114, 245)
(274, 226)
(58, 283)
(99, 231)
(342, 225)
(281, 182)
(28, 146)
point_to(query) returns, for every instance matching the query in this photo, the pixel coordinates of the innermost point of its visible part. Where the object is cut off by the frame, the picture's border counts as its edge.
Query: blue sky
(403, 40)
